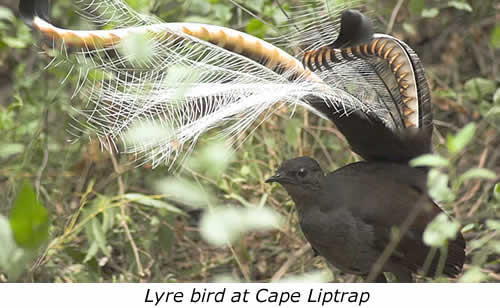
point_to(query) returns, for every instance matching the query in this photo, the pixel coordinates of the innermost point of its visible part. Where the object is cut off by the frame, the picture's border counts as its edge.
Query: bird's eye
(302, 172)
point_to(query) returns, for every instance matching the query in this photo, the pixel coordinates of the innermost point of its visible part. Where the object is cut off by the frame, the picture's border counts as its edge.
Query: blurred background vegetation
(99, 218)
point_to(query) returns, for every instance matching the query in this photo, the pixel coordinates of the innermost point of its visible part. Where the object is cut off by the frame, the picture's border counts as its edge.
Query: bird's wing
(383, 197)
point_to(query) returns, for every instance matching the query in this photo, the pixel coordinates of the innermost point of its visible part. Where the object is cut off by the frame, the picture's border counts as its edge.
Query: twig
(391, 247)
(394, 14)
(45, 154)
(477, 184)
(243, 269)
(284, 268)
(121, 188)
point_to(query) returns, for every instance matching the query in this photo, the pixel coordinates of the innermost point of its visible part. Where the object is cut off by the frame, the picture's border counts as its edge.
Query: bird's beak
(279, 178)
(274, 178)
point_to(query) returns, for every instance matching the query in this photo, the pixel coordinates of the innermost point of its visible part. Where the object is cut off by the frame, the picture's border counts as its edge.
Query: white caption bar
(249, 295)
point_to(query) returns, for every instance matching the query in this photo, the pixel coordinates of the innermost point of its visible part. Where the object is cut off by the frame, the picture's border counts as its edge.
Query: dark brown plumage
(348, 215)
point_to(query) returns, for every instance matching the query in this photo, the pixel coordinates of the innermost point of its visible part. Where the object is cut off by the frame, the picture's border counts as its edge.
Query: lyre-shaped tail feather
(237, 77)
(400, 126)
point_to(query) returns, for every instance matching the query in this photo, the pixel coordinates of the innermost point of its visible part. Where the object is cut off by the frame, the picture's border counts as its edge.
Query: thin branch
(284, 268)
(391, 247)
(394, 14)
(121, 188)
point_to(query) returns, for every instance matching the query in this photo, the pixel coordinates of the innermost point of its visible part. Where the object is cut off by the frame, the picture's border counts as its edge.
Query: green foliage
(224, 225)
(23, 233)
(495, 37)
(142, 6)
(29, 219)
(479, 88)
(138, 48)
(101, 218)
(13, 33)
(154, 202)
(256, 28)
(474, 274)
(316, 276)
(13, 259)
(458, 142)
(440, 230)
(185, 191)
(104, 212)
(437, 183)
(212, 159)
(429, 160)
(460, 5)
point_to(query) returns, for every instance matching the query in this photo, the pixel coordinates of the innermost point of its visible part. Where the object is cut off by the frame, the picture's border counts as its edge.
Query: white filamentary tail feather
(186, 79)
(228, 90)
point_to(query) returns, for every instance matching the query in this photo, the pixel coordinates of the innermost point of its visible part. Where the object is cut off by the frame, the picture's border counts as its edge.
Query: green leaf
(477, 173)
(255, 5)
(440, 230)
(14, 42)
(222, 12)
(409, 28)
(159, 204)
(493, 112)
(493, 224)
(99, 236)
(29, 219)
(467, 228)
(473, 274)
(9, 149)
(416, 6)
(317, 276)
(460, 5)
(146, 134)
(185, 191)
(138, 47)
(245, 171)
(141, 6)
(496, 191)
(478, 88)
(445, 93)
(429, 160)
(458, 142)
(495, 246)
(430, 13)
(437, 184)
(13, 260)
(98, 75)
(108, 215)
(225, 278)
(214, 158)
(8, 243)
(256, 28)
(224, 225)
(91, 252)
(6, 14)
(495, 37)
(496, 97)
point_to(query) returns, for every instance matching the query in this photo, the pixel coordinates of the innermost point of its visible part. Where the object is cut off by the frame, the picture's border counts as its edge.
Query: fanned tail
(190, 78)
(400, 127)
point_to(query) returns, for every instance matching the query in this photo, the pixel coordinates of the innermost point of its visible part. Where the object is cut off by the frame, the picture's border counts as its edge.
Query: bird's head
(300, 176)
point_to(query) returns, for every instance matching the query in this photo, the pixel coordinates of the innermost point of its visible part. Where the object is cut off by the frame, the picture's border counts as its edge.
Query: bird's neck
(304, 197)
